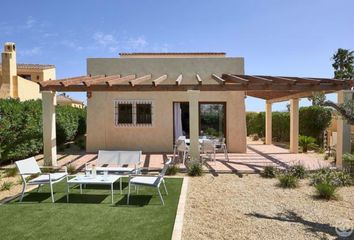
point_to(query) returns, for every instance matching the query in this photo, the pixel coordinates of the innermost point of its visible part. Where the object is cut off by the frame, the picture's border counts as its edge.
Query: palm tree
(343, 64)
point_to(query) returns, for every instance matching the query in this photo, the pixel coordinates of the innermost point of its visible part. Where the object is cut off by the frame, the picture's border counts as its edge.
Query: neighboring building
(20, 80)
(65, 100)
(151, 121)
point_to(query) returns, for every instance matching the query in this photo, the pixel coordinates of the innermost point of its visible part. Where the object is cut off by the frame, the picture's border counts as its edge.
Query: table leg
(112, 192)
(67, 193)
(80, 188)
(121, 191)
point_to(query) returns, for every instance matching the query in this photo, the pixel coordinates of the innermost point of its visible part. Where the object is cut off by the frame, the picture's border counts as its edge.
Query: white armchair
(208, 147)
(29, 166)
(150, 181)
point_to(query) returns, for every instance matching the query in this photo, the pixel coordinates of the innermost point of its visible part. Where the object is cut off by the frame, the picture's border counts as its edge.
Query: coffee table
(94, 180)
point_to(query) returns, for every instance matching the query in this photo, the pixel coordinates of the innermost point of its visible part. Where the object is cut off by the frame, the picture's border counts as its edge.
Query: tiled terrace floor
(257, 156)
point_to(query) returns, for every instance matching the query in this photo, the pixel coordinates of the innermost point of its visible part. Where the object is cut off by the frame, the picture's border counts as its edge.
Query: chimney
(9, 69)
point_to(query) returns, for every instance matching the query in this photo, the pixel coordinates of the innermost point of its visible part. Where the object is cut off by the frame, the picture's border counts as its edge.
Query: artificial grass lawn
(91, 215)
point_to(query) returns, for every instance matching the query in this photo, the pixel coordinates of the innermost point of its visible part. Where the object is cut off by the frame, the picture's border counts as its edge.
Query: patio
(257, 157)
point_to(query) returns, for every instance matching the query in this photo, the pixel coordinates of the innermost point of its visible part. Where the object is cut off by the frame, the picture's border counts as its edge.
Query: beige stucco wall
(103, 134)
(38, 75)
(27, 90)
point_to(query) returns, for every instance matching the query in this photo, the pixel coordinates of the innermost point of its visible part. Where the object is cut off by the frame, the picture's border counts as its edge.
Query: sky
(276, 37)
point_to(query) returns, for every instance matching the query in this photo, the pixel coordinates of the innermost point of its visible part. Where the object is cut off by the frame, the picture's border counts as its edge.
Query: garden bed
(251, 207)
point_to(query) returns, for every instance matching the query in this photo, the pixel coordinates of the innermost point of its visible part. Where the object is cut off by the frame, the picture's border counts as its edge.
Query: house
(64, 100)
(20, 80)
(146, 100)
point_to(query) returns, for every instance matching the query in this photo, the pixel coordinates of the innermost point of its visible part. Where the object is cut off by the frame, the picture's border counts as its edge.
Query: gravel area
(251, 207)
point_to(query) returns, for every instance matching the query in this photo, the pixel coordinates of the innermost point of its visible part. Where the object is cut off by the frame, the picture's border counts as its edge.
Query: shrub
(269, 172)
(71, 169)
(80, 143)
(20, 129)
(195, 168)
(326, 190)
(6, 186)
(298, 171)
(255, 137)
(330, 176)
(11, 172)
(172, 170)
(349, 161)
(287, 180)
(305, 142)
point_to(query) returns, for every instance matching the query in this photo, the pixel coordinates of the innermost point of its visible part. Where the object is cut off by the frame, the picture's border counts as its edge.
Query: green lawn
(91, 215)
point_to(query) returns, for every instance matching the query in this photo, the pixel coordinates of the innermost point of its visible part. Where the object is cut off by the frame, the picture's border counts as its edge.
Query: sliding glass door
(212, 120)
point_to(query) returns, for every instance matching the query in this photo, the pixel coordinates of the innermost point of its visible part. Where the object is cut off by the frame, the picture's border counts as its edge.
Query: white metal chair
(221, 146)
(150, 181)
(29, 166)
(181, 147)
(208, 147)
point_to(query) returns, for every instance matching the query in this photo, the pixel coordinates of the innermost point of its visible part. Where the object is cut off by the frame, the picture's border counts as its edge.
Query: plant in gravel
(195, 168)
(326, 191)
(172, 170)
(288, 180)
(306, 142)
(269, 172)
(298, 171)
(6, 186)
(11, 172)
(331, 176)
(71, 169)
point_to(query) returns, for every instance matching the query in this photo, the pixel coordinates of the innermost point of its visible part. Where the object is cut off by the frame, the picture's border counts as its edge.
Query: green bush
(349, 161)
(21, 127)
(306, 142)
(313, 121)
(326, 190)
(287, 180)
(11, 172)
(172, 170)
(195, 169)
(6, 186)
(71, 169)
(298, 171)
(269, 172)
(331, 176)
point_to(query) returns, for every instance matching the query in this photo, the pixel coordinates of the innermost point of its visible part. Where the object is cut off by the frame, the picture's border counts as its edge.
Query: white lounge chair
(150, 181)
(29, 166)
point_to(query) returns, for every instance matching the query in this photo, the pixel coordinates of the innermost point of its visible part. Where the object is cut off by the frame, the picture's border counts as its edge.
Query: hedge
(21, 127)
(313, 121)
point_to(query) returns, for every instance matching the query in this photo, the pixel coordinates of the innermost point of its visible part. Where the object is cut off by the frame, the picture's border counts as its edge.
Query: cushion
(145, 180)
(45, 178)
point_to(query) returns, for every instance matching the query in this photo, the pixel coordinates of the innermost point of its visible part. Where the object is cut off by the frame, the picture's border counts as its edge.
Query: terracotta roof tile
(171, 53)
(33, 66)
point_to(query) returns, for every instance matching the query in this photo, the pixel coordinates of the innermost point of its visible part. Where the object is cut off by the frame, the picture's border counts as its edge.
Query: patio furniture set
(207, 146)
(112, 166)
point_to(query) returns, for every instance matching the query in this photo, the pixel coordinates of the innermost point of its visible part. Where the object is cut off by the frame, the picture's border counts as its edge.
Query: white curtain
(177, 118)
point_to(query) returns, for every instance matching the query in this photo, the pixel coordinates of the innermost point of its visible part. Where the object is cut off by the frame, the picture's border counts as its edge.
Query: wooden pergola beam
(234, 79)
(258, 78)
(159, 80)
(218, 79)
(204, 87)
(58, 82)
(138, 80)
(75, 81)
(120, 80)
(100, 80)
(179, 80)
(199, 79)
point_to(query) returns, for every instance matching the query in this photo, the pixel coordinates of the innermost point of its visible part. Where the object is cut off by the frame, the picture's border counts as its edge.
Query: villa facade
(151, 120)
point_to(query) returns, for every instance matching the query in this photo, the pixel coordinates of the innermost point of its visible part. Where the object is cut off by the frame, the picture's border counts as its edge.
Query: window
(212, 119)
(143, 113)
(125, 113)
(25, 76)
(130, 113)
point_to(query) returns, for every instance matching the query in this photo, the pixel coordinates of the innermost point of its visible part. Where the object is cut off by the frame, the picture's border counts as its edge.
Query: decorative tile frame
(134, 103)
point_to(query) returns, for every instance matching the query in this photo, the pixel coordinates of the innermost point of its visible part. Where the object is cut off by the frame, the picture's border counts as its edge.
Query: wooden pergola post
(268, 125)
(343, 131)
(193, 96)
(294, 125)
(49, 129)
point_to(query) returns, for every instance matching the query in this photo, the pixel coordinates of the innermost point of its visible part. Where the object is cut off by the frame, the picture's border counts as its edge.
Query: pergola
(270, 88)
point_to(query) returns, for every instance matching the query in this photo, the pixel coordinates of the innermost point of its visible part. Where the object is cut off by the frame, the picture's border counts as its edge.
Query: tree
(343, 69)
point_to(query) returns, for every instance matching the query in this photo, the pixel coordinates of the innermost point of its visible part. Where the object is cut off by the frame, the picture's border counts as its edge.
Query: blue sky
(276, 37)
